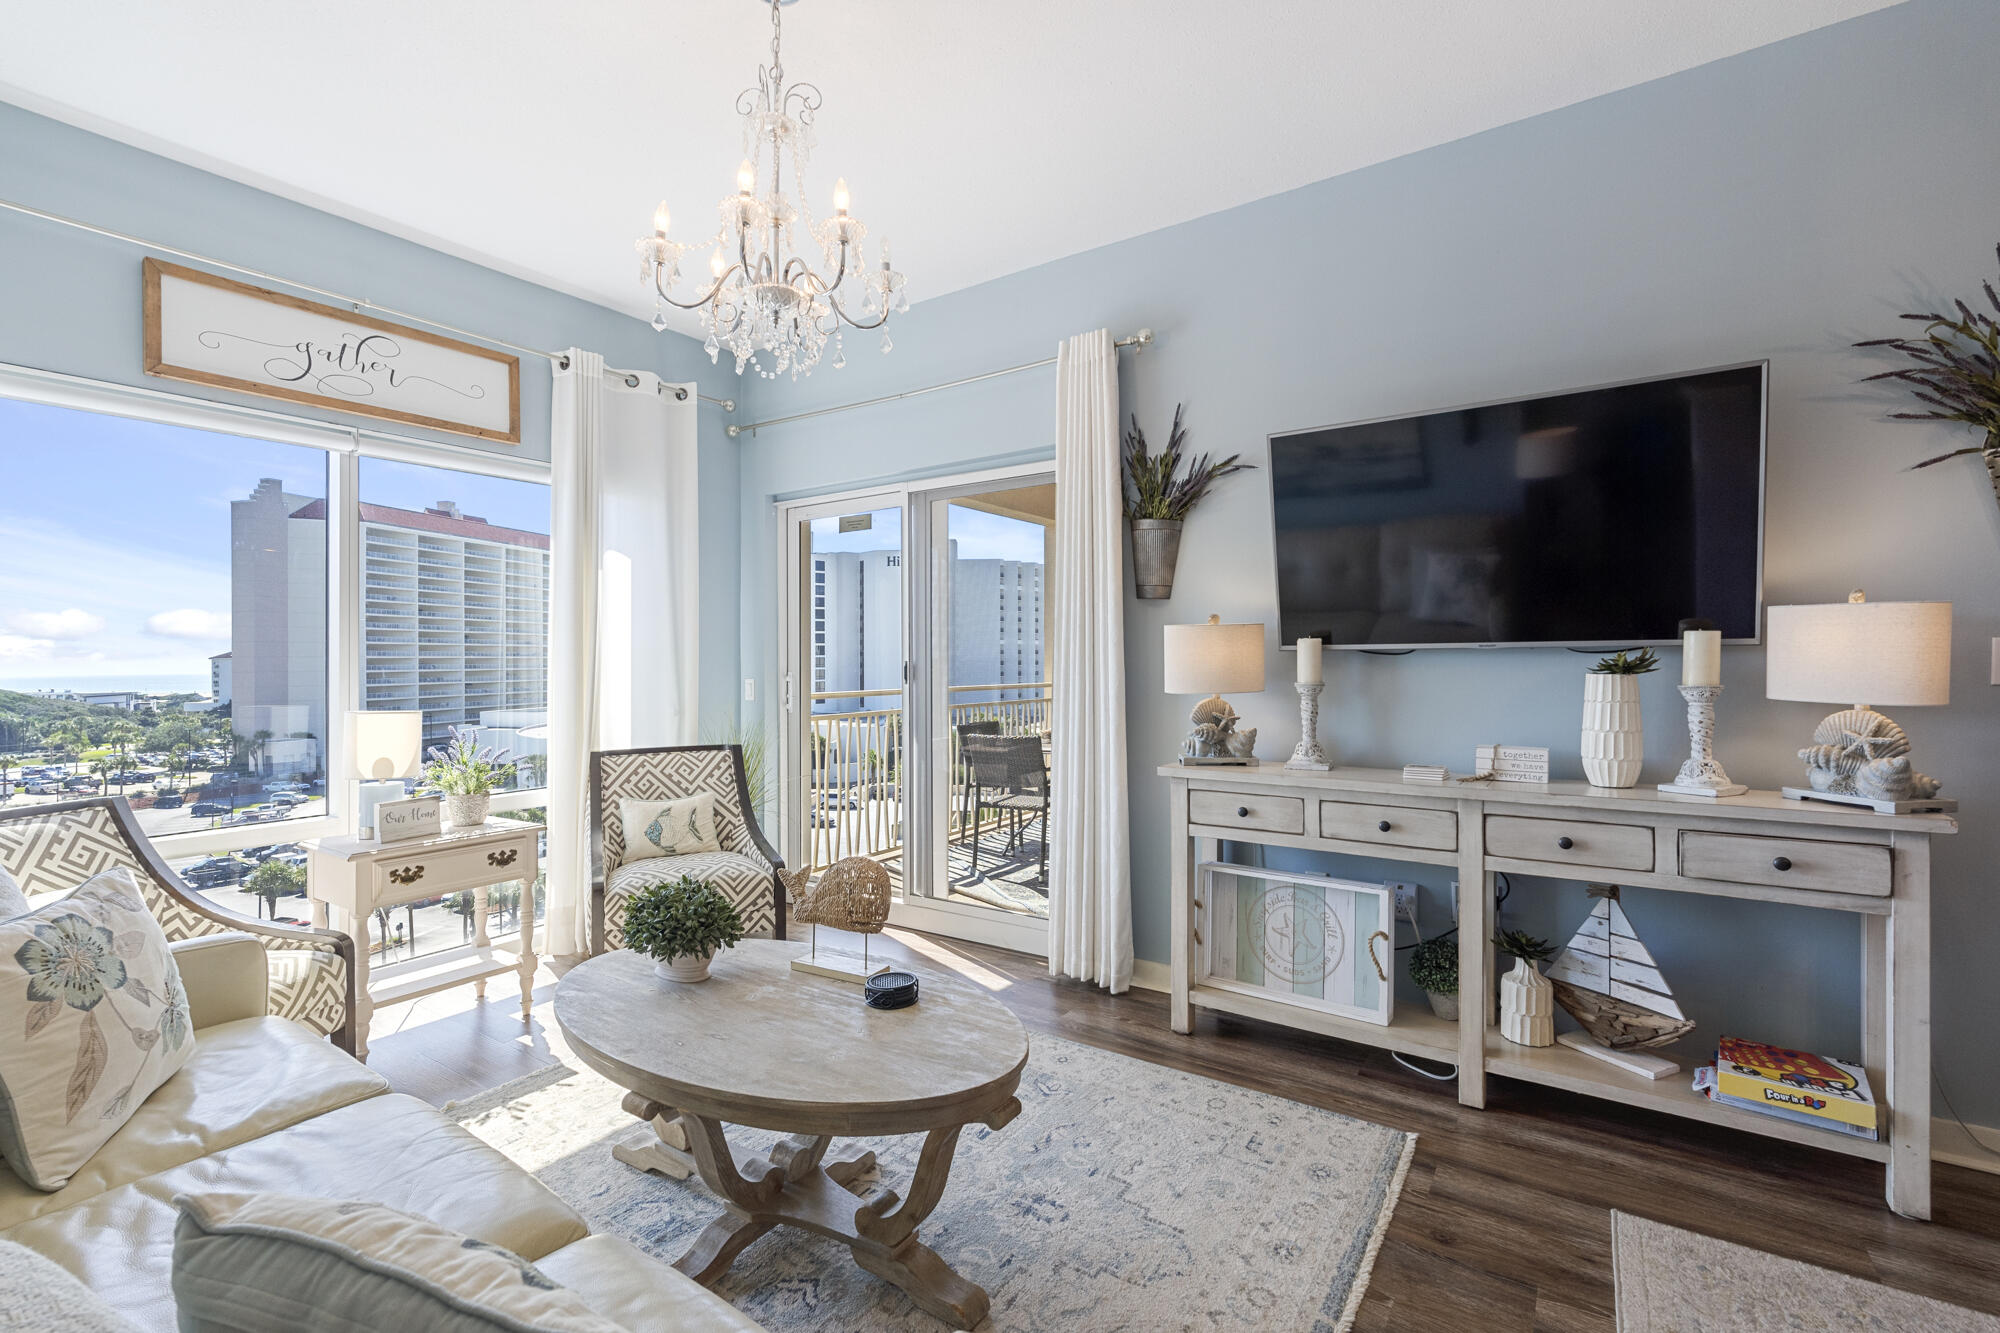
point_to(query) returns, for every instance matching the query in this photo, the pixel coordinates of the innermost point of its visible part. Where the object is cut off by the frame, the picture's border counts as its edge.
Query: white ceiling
(981, 138)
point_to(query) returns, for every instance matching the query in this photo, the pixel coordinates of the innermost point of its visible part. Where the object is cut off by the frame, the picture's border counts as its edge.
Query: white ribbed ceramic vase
(1614, 739)
(684, 967)
(1527, 1006)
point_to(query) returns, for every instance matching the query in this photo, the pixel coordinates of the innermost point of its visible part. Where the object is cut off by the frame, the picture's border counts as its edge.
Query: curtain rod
(1141, 340)
(357, 303)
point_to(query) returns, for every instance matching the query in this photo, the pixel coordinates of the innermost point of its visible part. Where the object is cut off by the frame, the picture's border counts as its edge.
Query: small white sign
(415, 817)
(210, 330)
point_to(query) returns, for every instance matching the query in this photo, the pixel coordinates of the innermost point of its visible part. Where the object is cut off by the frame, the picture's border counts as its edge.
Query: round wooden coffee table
(761, 1046)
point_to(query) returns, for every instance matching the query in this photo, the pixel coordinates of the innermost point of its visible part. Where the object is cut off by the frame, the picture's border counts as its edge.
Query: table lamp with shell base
(1208, 659)
(1896, 653)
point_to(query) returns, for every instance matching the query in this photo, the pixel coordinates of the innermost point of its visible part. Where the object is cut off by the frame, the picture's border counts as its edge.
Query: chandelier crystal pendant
(764, 295)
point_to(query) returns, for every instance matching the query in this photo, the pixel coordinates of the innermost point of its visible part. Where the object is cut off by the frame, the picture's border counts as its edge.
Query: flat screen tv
(1596, 518)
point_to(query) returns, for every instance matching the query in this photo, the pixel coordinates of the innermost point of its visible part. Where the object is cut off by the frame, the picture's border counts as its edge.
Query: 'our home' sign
(210, 330)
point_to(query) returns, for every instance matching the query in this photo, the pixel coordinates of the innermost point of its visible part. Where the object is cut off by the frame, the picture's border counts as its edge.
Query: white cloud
(16, 648)
(189, 623)
(70, 624)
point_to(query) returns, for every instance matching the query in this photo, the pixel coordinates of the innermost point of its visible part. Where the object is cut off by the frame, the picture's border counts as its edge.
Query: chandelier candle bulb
(661, 219)
(1311, 670)
(840, 196)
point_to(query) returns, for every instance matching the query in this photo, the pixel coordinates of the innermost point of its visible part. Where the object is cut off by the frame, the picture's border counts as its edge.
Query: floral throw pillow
(669, 828)
(12, 901)
(94, 1019)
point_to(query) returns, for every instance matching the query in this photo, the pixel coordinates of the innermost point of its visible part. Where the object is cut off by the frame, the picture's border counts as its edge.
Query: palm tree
(123, 737)
(69, 738)
(103, 766)
(273, 880)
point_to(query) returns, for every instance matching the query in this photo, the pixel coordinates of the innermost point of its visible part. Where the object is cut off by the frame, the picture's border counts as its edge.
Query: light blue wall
(69, 302)
(1776, 205)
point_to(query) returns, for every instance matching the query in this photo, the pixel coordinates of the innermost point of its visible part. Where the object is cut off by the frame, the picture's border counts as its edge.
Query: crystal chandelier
(766, 296)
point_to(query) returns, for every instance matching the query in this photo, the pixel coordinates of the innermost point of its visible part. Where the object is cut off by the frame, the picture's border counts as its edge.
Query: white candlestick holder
(1702, 775)
(1309, 753)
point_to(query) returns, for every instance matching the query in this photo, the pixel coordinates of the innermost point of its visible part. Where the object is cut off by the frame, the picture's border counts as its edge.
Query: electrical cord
(1978, 1142)
(1397, 1056)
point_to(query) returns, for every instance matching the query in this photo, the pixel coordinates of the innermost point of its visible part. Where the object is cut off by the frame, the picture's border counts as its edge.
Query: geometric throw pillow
(280, 1261)
(39, 1295)
(12, 901)
(669, 828)
(94, 1019)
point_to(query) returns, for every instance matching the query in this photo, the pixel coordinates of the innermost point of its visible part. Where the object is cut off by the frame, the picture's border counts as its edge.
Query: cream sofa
(266, 1104)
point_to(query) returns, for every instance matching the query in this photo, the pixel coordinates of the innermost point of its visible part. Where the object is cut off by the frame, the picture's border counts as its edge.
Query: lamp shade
(1214, 658)
(1896, 653)
(386, 745)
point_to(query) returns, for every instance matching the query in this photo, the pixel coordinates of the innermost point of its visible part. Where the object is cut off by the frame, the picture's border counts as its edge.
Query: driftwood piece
(1617, 1024)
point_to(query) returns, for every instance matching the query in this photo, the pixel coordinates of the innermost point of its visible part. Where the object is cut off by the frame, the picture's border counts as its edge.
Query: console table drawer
(1787, 863)
(1579, 842)
(1390, 825)
(426, 871)
(1234, 809)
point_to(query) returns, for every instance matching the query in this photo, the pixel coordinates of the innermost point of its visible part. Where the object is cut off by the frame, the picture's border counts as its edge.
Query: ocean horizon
(143, 684)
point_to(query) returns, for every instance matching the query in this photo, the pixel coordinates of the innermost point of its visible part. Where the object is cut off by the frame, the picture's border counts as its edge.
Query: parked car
(288, 799)
(207, 809)
(213, 870)
(284, 785)
(169, 802)
(44, 789)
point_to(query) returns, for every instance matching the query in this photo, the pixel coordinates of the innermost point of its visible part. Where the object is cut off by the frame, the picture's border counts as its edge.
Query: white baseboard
(1949, 1143)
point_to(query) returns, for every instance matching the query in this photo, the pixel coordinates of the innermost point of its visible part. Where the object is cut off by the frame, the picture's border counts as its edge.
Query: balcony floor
(1010, 881)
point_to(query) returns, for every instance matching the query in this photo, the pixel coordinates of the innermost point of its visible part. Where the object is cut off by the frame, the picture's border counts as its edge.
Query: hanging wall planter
(1159, 496)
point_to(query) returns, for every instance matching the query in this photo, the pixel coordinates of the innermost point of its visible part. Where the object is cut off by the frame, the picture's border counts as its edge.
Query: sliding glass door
(917, 697)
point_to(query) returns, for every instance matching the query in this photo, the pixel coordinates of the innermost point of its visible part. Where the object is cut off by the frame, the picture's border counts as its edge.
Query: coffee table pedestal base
(791, 1187)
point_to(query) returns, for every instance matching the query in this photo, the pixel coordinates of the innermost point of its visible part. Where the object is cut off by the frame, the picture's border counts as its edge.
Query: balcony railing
(856, 801)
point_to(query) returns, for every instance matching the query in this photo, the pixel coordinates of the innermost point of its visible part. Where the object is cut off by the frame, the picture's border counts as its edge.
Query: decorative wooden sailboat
(1607, 981)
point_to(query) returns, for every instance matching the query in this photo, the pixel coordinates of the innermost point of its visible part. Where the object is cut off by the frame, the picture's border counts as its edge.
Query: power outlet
(1406, 903)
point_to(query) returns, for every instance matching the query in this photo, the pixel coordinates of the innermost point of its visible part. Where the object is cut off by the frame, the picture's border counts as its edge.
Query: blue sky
(114, 535)
(980, 535)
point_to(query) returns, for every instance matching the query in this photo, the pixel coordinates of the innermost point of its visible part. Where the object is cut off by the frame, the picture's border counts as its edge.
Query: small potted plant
(1614, 736)
(1434, 967)
(1527, 1000)
(1158, 498)
(468, 775)
(680, 925)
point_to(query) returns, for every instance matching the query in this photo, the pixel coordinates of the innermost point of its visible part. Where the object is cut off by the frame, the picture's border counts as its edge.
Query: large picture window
(186, 614)
(163, 620)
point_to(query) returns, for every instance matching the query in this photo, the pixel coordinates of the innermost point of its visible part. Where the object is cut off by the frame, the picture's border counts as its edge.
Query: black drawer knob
(1243, 812)
(1565, 842)
(1781, 863)
(1382, 827)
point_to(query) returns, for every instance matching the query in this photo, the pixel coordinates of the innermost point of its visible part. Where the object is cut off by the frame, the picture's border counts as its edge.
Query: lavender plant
(465, 768)
(1156, 487)
(1954, 372)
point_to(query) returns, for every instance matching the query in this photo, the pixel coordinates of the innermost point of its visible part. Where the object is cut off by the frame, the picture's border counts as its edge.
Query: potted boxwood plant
(1159, 497)
(468, 775)
(680, 925)
(1614, 734)
(1434, 967)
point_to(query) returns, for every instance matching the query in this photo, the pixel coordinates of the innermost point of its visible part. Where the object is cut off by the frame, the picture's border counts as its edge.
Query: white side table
(353, 878)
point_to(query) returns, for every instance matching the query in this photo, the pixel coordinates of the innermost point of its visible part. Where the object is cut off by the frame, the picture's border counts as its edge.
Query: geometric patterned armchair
(50, 849)
(745, 870)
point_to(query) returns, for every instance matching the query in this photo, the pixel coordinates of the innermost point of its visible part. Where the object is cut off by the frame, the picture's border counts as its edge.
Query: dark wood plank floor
(1504, 1222)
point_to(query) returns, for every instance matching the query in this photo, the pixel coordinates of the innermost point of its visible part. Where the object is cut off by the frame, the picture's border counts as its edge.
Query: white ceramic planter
(467, 811)
(1614, 738)
(1527, 1006)
(685, 968)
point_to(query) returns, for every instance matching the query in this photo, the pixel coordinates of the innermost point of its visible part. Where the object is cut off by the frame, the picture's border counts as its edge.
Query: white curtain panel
(1090, 869)
(622, 604)
(576, 453)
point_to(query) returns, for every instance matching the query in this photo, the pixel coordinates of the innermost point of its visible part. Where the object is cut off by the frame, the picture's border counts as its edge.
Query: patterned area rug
(1675, 1281)
(1125, 1197)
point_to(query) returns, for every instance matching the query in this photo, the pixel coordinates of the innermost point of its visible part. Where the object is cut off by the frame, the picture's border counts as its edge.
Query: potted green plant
(468, 774)
(680, 925)
(1434, 967)
(1614, 735)
(1954, 371)
(1527, 1000)
(1159, 495)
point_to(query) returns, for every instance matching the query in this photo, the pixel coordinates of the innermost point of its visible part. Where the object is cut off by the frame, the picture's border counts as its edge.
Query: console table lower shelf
(1758, 846)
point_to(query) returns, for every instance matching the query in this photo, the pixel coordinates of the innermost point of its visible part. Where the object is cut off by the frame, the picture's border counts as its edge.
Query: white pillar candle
(1701, 657)
(1310, 671)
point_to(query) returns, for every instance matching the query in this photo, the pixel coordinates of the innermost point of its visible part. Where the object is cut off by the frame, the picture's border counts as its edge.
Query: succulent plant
(1626, 664)
(1520, 944)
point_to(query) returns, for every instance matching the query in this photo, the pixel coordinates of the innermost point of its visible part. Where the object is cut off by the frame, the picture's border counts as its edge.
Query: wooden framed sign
(1309, 940)
(209, 330)
(414, 817)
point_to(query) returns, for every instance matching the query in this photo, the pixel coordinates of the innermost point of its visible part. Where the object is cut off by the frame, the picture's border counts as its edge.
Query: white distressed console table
(1758, 846)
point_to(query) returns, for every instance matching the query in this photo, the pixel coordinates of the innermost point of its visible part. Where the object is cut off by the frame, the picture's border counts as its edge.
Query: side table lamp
(1885, 652)
(1208, 659)
(388, 747)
